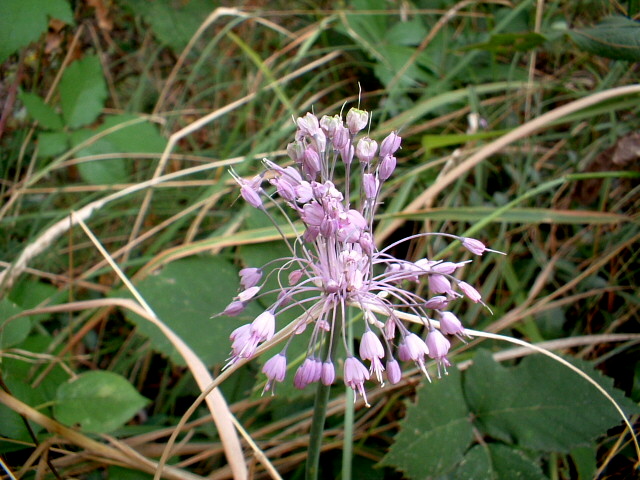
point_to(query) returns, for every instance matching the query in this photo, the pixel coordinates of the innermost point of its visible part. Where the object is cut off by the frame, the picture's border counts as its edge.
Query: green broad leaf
(30, 292)
(584, 459)
(100, 171)
(21, 367)
(127, 134)
(41, 112)
(185, 294)
(173, 23)
(436, 431)
(83, 91)
(495, 461)
(409, 33)
(12, 330)
(509, 43)
(23, 21)
(97, 402)
(51, 144)
(396, 57)
(540, 404)
(12, 425)
(617, 38)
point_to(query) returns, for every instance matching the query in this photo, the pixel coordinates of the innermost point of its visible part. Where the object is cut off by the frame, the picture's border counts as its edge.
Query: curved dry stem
(282, 335)
(475, 333)
(96, 448)
(46, 239)
(215, 401)
(562, 361)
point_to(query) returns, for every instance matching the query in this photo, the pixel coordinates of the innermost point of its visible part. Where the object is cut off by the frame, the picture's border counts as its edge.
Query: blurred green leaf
(429, 142)
(509, 42)
(12, 425)
(540, 404)
(136, 135)
(83, 91)
(12, 330)
(23, 21)
(617, 38)
(435, 432)
(515, 215)
(97, 401)
(497, 462)
(41, 112)
(185, 294)
(173, 23)
(51, 144)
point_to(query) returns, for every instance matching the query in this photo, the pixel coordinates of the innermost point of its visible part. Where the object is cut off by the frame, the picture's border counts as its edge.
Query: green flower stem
(317, 429)
(347, 445)
(319, 415)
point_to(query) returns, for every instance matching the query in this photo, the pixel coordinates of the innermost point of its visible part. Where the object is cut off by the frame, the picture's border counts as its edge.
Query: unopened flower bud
(390, 144)
(366, 149)
(370, 186)
(250, 277)
(356, 120)
(394, 374)
(387, 166)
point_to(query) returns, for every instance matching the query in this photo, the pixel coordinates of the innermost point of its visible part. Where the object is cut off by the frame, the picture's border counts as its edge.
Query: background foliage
(94, 92)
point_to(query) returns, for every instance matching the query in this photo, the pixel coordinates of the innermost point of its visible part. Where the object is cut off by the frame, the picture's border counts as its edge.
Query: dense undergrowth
(120, 121)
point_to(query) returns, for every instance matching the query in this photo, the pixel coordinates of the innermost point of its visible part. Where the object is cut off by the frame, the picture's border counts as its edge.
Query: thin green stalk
(317, 428)
(347, 447)
(319, 414)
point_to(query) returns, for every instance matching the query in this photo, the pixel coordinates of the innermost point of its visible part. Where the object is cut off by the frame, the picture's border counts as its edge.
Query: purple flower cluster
(335, 264)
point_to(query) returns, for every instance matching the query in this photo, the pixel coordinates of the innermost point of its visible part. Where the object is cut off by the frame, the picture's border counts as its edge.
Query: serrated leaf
(23, 21)
(83, 91)
(185, 294)
(617, 38)
(495, 461)
(97, 402)
(540, 403)
(40, 111)
(13, 330)
(435, 432)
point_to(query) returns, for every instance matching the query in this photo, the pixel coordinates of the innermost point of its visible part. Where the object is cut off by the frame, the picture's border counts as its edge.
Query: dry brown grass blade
(89, 445)
(426, 199)
(46, 239)
(215, 401)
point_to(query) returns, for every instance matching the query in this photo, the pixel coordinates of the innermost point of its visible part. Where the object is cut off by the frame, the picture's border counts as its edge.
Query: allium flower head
(335, 264)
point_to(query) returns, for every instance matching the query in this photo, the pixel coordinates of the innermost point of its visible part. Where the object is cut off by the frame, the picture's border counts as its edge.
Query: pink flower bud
(356, 120)
(386, 168)
(366, 149)
(470, 292)
(450, 324)
(390, 144)
(370, 186)
(394, 374)
(250, 277)
(328, 375)
(275, 369)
